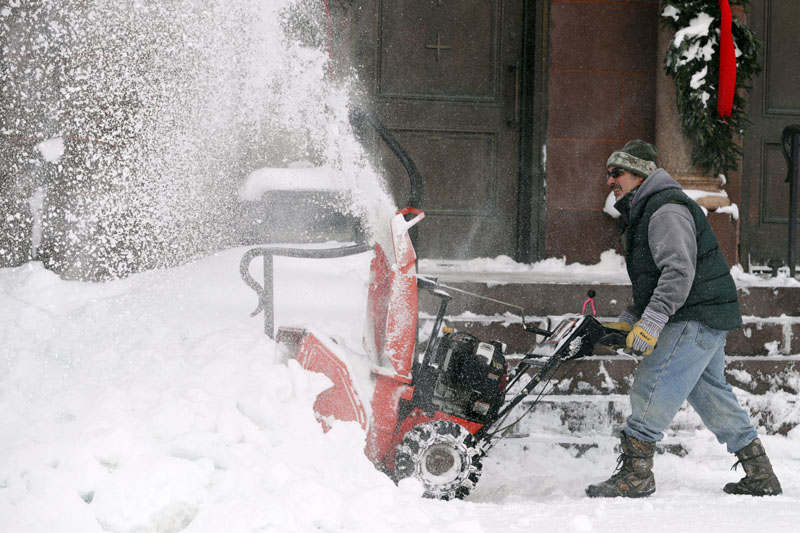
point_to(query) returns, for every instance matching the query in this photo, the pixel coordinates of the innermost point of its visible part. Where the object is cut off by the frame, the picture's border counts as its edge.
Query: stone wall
(601, 90)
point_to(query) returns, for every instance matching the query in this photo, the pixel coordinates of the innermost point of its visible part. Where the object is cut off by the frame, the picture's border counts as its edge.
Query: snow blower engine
(464, 377)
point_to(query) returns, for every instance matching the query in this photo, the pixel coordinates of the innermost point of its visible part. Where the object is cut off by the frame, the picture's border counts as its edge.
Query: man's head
(629, 166)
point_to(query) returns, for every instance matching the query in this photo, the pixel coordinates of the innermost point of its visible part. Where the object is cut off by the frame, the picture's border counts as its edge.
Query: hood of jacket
(656, 182)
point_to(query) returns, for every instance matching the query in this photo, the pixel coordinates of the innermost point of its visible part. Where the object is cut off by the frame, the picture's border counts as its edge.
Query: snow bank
(156, 404)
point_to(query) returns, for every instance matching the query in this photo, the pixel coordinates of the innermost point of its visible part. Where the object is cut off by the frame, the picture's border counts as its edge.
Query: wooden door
(446, 79)
(774, 104)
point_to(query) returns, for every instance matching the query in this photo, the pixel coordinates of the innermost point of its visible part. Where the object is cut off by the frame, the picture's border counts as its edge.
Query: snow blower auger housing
(432, 415)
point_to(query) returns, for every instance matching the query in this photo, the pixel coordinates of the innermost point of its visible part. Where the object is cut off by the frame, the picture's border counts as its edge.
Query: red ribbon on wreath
(727, 62)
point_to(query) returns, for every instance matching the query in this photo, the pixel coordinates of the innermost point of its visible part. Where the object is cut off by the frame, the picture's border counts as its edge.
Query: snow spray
(161, 110)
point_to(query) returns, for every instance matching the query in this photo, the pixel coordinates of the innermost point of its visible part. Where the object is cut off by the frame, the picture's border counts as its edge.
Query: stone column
(675, 150)
(675, 155)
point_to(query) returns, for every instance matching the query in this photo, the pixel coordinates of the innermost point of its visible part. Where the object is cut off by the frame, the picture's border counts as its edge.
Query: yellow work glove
(644, 335)
(623, 323)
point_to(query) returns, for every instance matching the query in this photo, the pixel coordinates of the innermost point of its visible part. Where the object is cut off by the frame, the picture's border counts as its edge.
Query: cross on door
(438, 46)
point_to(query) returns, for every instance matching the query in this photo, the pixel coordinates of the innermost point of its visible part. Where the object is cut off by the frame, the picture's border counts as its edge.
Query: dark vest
(712, 299)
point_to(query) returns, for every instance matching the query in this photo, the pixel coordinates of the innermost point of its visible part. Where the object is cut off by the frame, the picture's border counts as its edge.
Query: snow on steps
(593, 415)
(763, 357)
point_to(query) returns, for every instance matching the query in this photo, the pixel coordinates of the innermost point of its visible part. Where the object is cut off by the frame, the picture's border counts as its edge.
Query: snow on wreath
(711, 57)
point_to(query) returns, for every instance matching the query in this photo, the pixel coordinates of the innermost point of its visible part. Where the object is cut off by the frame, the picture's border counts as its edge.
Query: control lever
(538, 331)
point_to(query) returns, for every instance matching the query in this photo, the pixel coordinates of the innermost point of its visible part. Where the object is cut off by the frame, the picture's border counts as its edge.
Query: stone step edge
(510, 319)
(759, 336)
(776, 413)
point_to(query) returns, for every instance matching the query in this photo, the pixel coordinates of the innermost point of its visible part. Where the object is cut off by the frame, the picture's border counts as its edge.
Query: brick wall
(601, 90)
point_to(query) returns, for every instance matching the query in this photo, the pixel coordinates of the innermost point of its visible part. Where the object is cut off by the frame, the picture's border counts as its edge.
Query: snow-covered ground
(157, 404)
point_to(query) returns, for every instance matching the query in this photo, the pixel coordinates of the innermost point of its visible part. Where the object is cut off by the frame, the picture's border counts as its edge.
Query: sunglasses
(617, 172)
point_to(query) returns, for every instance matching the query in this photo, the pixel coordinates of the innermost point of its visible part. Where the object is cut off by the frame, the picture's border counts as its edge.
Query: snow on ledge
(299, 176)
(694, 194)
(744, 279)
(610, 270)
(503, 269)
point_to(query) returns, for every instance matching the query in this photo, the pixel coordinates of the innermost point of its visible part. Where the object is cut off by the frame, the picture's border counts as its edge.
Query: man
(684, 304)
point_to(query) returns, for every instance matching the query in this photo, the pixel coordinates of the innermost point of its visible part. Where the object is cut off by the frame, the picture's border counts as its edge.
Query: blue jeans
(688, 363)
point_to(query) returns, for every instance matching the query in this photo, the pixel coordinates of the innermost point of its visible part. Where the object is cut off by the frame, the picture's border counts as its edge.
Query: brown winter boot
(759, 479)
(633, 477)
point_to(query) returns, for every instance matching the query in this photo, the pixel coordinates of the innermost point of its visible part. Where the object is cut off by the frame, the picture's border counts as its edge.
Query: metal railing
(358, 117)
(265, 291)
(790, 144)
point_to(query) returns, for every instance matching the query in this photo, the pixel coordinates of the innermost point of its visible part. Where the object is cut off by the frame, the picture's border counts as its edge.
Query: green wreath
(693, 62)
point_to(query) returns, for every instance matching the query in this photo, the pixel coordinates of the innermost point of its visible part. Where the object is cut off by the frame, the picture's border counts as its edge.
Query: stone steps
(771, 315)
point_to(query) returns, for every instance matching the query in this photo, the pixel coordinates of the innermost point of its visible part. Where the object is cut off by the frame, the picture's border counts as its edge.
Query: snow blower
(434, 413)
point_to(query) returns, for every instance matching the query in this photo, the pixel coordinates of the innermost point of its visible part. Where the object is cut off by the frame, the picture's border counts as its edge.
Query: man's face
(621, 181)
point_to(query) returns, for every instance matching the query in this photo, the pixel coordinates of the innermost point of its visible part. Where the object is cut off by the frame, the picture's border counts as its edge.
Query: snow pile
(155, 403)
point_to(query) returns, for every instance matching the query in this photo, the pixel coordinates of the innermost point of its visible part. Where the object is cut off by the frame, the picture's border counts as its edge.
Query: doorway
(455, 83)
(774, 104)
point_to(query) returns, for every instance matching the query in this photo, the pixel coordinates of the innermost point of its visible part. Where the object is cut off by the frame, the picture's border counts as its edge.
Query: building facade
(508, 108)
(511, 108)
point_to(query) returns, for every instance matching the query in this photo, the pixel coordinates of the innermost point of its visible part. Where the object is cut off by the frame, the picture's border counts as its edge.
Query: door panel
(468, 154)
(446, 81)
(782, 40)
(774, 104)
(438, 50)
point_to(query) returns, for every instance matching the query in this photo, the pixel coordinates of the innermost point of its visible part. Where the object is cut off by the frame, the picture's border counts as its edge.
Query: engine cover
(465, 377)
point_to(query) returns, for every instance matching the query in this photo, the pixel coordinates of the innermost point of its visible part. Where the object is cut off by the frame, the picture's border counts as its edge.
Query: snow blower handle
(538, 331)
(613, 338)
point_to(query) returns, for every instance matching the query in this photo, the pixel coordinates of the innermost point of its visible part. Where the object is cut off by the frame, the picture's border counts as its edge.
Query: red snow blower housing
(434, 413)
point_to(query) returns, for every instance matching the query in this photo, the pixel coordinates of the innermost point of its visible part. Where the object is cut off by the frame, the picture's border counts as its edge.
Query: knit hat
(636, 156)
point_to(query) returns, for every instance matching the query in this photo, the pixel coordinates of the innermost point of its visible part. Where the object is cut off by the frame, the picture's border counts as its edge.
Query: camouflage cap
(636, 156)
